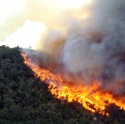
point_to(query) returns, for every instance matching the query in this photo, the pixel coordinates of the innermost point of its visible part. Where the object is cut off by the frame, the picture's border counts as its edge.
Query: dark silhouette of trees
(25, 99)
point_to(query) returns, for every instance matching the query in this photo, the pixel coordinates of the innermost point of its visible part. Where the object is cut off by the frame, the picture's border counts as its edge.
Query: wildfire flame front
(91, 97)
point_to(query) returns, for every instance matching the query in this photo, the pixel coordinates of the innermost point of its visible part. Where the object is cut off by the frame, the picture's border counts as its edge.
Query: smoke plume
(90, 45)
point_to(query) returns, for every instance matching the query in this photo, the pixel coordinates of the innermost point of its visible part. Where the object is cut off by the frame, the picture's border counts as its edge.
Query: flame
(90, 97)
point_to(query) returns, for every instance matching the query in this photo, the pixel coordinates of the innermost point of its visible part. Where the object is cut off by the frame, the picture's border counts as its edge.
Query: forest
(25, 99)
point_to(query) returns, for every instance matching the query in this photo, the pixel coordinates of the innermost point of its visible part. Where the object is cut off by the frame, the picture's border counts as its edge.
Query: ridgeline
(25, 99)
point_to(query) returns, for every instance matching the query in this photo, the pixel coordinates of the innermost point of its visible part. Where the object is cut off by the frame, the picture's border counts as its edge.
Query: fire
(90, 97)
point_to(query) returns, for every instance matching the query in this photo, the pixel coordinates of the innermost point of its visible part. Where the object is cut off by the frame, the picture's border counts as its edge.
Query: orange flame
(89, 96)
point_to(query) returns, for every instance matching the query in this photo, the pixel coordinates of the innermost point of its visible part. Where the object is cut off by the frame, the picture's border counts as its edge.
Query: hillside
(25, 99)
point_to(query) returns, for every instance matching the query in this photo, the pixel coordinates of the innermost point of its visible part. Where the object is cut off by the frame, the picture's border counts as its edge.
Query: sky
(14, 13)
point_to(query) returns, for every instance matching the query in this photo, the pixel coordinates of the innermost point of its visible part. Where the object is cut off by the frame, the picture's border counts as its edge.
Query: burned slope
(25, 99)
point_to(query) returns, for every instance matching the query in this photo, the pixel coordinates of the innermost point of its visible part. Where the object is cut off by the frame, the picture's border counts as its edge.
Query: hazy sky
(14, 13)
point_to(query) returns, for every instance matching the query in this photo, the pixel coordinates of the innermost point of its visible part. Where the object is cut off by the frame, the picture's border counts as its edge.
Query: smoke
(26, 36)
(89, 45)
(13, 13)
(83, 44)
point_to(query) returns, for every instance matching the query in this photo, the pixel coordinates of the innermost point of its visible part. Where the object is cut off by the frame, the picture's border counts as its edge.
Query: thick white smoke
(91, 46)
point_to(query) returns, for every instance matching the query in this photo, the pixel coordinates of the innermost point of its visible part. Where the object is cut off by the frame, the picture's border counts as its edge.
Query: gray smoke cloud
(91, 48)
